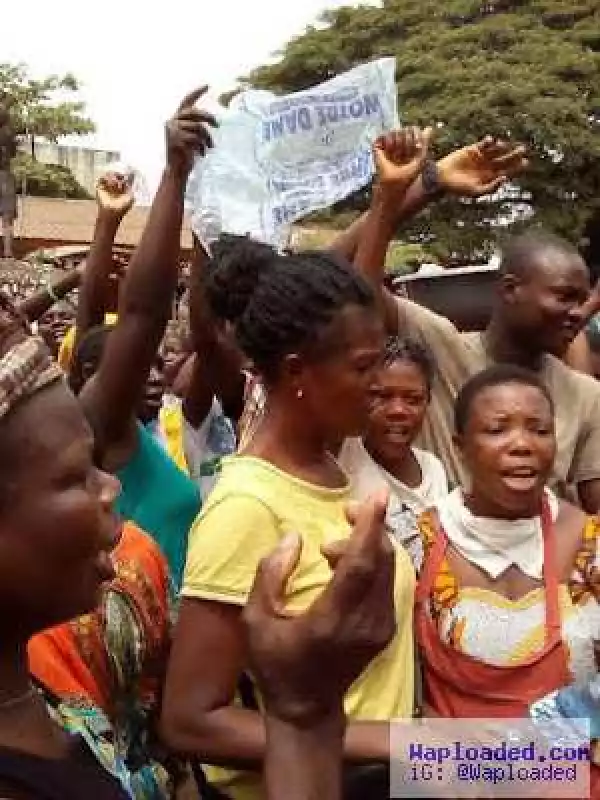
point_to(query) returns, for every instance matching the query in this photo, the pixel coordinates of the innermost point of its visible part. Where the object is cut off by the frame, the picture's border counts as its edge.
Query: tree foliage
(46, 180)
(528, 70)
(42, 107)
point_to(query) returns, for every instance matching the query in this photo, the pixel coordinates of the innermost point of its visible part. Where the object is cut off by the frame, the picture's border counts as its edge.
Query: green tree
(46, 180)
(528, 70)
(41, 107)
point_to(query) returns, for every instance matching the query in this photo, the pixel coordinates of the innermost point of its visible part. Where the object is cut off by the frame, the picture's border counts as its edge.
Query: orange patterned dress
(500, 631)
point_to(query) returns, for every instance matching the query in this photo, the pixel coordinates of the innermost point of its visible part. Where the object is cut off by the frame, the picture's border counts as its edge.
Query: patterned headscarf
(26, 365)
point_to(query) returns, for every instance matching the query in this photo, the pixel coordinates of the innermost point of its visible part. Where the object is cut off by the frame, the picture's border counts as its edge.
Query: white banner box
(510, 758)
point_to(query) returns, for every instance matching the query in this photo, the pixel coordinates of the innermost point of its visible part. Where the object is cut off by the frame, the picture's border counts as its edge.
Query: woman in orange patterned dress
(507, 605)
(103, 672)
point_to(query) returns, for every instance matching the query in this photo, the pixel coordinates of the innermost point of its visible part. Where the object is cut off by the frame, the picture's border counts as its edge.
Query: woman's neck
(14, 671)
(289, 443)
(483, 506)
(403, 465)
(25, 724)
(505, 348)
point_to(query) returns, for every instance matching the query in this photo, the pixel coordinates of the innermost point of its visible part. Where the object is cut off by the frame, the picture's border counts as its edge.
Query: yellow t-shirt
(65, 353)
(252, 507)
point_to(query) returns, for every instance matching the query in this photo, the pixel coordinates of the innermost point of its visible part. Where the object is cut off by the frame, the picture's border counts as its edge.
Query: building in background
(47, 223)
(85, 164)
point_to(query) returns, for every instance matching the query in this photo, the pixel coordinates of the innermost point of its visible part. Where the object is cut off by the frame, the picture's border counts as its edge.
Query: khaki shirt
(459, 356)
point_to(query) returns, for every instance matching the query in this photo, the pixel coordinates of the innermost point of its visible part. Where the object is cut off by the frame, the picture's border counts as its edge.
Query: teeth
(522, 474)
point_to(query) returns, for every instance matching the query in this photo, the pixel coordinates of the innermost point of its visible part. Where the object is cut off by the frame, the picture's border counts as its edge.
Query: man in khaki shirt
(458, 356)
(542, 288)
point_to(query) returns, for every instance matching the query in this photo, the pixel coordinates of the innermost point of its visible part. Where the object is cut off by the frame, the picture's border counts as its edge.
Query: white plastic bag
(276, 159)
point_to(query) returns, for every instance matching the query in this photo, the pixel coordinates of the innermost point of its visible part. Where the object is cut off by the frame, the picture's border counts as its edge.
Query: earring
(300, 394)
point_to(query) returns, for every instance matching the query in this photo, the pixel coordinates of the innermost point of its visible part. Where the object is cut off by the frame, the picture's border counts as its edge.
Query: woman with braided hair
(309, 325)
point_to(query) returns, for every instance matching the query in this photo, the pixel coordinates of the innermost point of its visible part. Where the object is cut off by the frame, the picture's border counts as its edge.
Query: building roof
(71, 222)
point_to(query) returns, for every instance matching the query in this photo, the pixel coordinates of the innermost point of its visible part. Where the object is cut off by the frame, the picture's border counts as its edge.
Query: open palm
(481, 168)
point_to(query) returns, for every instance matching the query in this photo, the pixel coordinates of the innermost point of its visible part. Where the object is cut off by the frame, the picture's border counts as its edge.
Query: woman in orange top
(507, 601)
(106, 668)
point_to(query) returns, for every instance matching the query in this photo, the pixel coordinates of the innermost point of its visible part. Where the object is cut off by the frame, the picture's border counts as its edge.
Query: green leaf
(38, 106)
(46, 180)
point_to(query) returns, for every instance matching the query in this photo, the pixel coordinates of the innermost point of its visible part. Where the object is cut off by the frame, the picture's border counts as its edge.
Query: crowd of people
(248, 521)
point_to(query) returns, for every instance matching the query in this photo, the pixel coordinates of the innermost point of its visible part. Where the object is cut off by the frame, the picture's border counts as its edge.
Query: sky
(136, 59)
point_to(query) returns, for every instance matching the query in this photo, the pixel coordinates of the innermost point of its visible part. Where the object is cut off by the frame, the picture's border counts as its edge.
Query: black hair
(519, 252)
(87, 354)
(405, 348)
(498, 375)
(278, 304)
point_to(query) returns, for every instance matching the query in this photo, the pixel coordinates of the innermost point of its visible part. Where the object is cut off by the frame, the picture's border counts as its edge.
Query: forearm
(94, 286)
(378, 232)
(43, 300)
(151, 279)
(143, 312)
(409, 204)
(234, 736)
(367, 742)
(230, 736)
(304, 763)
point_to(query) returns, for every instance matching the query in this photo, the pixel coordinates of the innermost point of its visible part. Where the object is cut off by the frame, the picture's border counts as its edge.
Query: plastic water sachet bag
(277, 159)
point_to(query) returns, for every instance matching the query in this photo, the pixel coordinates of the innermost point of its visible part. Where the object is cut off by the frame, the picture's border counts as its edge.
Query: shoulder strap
(433, 559)
(553, 621)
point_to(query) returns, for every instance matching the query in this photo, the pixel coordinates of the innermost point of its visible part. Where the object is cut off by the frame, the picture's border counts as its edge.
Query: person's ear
(292, 372)
(509, 288)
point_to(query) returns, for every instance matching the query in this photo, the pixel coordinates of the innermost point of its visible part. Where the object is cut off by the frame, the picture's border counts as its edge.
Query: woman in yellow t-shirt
(310, 326)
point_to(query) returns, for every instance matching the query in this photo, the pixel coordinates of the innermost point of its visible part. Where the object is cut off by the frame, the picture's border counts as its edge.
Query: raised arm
(399, 159)
(410, 197)
(43, 300)
(472, 171)
(217, 369)
(111, 397)
(115, 199)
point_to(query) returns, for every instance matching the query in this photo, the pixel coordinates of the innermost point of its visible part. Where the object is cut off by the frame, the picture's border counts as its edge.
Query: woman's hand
(305, 662)
(188, 134)
(481, 168)
(114, 193)
(399, 158)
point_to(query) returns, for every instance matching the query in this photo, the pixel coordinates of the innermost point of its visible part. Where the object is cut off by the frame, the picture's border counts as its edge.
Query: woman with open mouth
(507, 602)
(386, 456)
(56, 533)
